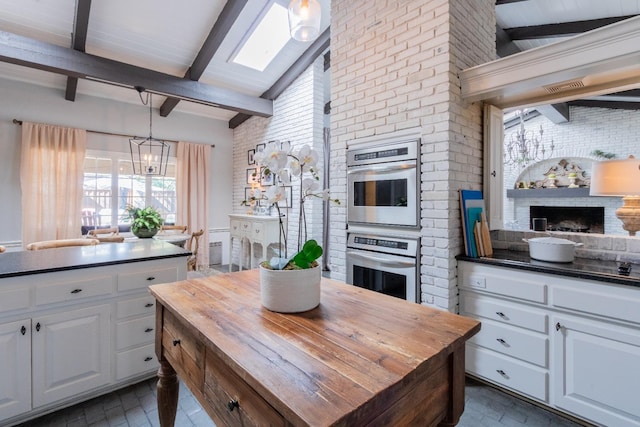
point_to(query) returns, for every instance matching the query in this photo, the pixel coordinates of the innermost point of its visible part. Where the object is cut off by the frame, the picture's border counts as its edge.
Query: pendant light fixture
(149, 156)
(304, 19)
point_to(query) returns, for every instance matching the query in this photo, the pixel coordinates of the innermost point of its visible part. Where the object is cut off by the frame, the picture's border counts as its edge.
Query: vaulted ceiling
(182, 50)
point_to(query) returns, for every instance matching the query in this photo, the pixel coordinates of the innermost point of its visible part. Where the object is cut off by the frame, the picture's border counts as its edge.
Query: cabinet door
(70, 353)
(15, 368)
(596, 372)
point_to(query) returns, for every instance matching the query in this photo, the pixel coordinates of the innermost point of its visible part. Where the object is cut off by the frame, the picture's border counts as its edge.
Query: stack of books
(475, 229)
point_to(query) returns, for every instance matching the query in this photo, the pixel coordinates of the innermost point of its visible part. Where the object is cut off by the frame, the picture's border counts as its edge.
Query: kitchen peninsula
(77, 322)
(360, 358)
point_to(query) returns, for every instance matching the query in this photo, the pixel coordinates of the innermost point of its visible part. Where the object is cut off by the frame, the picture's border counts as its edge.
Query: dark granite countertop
(70, 258)
(584, 268)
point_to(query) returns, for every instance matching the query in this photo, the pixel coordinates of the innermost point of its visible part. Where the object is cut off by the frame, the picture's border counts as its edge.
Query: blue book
(468, 198)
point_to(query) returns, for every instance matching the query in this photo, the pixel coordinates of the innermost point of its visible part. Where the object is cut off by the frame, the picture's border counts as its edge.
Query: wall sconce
(149, 156)
(304, 19)
(620, 178)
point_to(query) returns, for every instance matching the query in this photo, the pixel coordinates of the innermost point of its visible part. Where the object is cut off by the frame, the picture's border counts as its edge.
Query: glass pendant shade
(304, 19)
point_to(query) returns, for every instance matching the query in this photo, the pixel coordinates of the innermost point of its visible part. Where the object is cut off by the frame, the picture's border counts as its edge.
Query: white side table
(256, 229)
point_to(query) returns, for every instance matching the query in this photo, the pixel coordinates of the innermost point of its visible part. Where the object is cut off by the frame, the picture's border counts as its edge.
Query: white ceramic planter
(290, 291)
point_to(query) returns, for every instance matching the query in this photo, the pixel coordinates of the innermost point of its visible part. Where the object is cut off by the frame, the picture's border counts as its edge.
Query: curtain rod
(19, 122)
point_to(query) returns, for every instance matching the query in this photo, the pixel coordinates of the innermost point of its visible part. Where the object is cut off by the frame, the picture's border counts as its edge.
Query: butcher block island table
(360, 358)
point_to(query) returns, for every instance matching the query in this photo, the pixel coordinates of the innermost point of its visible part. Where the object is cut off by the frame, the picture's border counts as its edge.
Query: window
(110, 186)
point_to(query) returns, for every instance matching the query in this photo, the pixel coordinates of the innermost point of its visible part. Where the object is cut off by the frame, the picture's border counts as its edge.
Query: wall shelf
(548, 193)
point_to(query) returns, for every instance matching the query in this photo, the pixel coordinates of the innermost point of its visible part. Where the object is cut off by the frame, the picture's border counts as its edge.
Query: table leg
(230, 253)
(457, 378)
(167, 394)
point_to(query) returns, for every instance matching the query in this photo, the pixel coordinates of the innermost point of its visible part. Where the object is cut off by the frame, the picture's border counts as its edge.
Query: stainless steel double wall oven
(383, 216)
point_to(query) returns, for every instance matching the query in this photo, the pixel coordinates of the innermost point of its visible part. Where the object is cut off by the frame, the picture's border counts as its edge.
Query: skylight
(267, 39)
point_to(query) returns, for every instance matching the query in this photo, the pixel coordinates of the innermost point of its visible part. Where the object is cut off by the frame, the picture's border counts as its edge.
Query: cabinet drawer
(514, 284)
(603, 300)
(74, 290)
(528, 346)
(15, 299)
(135, 332)
(183, 351)
(223, 386)
(503, 370)
(503, 311)
(145, 278)
(136, 362)
(136, 307)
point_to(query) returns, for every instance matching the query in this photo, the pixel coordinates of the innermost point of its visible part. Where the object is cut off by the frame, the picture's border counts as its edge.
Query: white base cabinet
(71, 335)
(15, 368)
(571, 344)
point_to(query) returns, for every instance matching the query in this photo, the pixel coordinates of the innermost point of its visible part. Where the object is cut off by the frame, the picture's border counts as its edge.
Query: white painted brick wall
(394, 66)
(589, 129)
(298, 118)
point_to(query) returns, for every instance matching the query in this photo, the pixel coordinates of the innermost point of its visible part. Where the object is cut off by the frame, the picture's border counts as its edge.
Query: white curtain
(51, 174)
(192, 193)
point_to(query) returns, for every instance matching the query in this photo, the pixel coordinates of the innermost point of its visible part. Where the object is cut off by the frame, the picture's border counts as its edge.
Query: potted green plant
(145, 222)
(290, 284)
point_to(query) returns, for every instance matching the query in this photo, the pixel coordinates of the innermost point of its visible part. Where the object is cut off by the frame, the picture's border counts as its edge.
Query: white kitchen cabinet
(15, 368)
(572, 344)
(87, 331)
(596, 370)
(70, 353)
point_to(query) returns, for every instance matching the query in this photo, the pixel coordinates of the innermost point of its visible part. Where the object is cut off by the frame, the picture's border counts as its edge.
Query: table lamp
(620, 178)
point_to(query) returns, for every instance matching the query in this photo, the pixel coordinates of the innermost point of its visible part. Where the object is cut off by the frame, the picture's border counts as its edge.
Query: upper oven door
(383, 194)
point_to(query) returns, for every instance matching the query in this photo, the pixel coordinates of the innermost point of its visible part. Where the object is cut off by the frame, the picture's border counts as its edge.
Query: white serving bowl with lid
(552, 249)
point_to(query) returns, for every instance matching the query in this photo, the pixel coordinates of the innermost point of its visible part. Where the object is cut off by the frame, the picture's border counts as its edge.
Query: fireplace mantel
(539, 193)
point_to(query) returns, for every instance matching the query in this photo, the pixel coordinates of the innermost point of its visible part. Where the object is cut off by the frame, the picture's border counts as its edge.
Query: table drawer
(222, 386)
(136, 307)
(136, 362)
(506, 371)
(528, 346)
(183, 351)
(74, 290)
(135, 332)
(145, 278)
(503, 311)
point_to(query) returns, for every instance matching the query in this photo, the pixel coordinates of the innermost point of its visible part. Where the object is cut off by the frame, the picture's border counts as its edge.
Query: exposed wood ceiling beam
(31, 53)
(78, 42)
(499, 2)
(561, 29)
(223, 24)
(557, 113)
(316, 49)
(620, 105)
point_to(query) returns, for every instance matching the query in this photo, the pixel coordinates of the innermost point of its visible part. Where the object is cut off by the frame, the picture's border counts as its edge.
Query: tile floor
(135, 406)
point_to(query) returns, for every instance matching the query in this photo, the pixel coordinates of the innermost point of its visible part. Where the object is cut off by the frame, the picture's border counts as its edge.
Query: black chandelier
(149, 156)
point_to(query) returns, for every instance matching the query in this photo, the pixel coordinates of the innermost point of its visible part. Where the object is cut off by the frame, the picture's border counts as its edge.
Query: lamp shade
(304, 19)
(616, 178)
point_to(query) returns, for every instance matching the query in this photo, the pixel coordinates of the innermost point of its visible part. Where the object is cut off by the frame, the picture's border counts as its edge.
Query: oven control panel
(406, 246)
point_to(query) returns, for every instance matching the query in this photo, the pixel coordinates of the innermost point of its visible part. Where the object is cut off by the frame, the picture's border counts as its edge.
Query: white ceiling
(166, 35)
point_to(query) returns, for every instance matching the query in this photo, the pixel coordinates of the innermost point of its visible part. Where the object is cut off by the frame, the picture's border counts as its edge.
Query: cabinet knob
(148, 359)
(23, 330)
(232, 404)
(148, 330)
(501, 372)
(558, 326)
(176, 342)
(151, 278)
(38, 327)
(493, 174)
(501, 341)
(501, 314)
(76, 291)
(149, 304)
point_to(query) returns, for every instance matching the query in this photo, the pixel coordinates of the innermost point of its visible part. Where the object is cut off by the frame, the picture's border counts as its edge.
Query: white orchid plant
(279, 160)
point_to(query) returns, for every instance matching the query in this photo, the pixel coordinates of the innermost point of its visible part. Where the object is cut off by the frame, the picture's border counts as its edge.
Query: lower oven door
(389, 274)
(383, 194)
